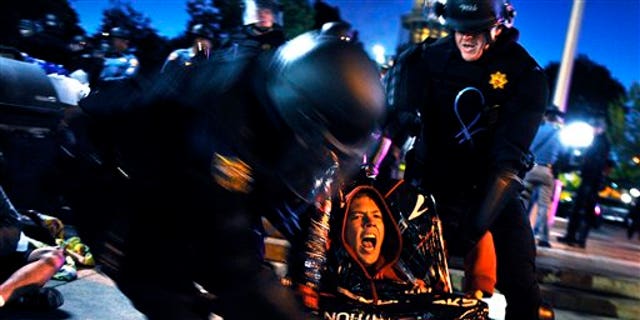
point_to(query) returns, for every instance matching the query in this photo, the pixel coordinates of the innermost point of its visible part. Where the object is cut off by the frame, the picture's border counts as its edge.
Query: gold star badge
(498, 80)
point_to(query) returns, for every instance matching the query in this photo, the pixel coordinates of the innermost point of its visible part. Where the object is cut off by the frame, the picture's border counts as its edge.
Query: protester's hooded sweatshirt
(349, 277)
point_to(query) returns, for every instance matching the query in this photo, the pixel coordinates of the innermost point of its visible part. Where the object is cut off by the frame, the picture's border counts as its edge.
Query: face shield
(263, 13)
(333, 116)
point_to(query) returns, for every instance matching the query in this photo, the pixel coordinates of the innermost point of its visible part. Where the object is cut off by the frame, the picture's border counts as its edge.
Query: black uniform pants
(582, 216)
(515, 252)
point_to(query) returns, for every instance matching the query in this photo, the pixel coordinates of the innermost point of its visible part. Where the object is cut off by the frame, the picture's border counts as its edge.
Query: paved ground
(608, 254)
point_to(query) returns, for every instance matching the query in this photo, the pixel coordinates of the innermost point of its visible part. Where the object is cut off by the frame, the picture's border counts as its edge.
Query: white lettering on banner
(468, 7)
(462, 302)
(353, 316)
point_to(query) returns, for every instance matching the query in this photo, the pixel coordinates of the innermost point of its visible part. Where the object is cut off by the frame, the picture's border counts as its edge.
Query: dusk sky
(609, 34)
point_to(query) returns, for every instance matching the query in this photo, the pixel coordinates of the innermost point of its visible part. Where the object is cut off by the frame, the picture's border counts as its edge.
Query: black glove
(502, 187)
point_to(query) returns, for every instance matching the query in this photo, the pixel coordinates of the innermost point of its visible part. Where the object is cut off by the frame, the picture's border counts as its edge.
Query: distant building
(421, 23)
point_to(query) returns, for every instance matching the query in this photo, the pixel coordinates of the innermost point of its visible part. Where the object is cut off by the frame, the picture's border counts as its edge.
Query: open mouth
(469, 46)
(369, 241)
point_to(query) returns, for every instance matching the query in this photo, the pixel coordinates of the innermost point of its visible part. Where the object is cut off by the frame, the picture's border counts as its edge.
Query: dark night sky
(609, 35)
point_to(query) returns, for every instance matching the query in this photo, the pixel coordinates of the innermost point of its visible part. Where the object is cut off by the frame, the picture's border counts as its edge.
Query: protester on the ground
(370, 237)
(387, 263)
(188, 168)
(479, 97)
(23, 270)
(540, 180)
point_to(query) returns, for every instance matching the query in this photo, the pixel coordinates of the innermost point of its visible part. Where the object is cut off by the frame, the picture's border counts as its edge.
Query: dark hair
(366, 193)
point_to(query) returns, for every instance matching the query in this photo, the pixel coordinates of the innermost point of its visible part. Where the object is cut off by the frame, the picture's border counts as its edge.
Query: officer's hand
(371, 170)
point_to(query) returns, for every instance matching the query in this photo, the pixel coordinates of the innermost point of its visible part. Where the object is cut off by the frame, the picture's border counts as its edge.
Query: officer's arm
(510, 154)
(403, 98)
(405, 91)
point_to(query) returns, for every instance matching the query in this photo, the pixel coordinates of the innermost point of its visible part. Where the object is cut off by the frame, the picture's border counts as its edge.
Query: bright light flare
(378, 53)
(626, 198)
(577, 134)
(298, 47)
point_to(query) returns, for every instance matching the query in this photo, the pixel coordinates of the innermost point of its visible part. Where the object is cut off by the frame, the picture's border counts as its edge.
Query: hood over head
(391, 243)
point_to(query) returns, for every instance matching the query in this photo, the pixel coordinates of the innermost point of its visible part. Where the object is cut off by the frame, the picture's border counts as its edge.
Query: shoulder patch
(231, 173)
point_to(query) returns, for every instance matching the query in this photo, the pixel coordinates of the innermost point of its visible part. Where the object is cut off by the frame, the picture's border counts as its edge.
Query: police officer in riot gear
(261, 30)
(479, 97)
(185, 168)
(203, 38)
(120, 61)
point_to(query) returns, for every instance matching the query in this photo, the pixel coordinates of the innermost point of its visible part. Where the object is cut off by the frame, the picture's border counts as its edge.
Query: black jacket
(256, 38)
(477, 119)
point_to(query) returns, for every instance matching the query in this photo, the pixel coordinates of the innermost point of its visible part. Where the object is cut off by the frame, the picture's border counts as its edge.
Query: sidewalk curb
(622, 286)
(596, 304)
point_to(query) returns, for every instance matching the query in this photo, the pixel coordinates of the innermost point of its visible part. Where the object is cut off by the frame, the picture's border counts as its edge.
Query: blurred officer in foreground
(168, 178)
(203, 38)
(120, 61)
(475, 99)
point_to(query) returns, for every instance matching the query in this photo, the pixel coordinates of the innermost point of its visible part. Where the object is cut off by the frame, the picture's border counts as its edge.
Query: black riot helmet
(202, 31)
(118, 32)
(268, 4)
(475, 15)
(327, 91)
(28, 28)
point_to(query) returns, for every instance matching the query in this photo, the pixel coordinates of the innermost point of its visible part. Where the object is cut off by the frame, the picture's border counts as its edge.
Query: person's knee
(480, 266)
(51, 256)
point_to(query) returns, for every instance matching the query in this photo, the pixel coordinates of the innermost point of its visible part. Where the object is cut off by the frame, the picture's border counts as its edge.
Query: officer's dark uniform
(592, 172)
(119, 65)
(477, 122)
(170, 177)
(198, 52)
(258, 38)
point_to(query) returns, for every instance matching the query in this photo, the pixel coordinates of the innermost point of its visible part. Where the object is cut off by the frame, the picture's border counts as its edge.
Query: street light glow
(378, 53)
(577, 134)
(626, 198)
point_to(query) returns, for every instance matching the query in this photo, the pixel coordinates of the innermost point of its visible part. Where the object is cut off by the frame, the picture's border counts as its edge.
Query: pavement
(601, 279)
(601, 282)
